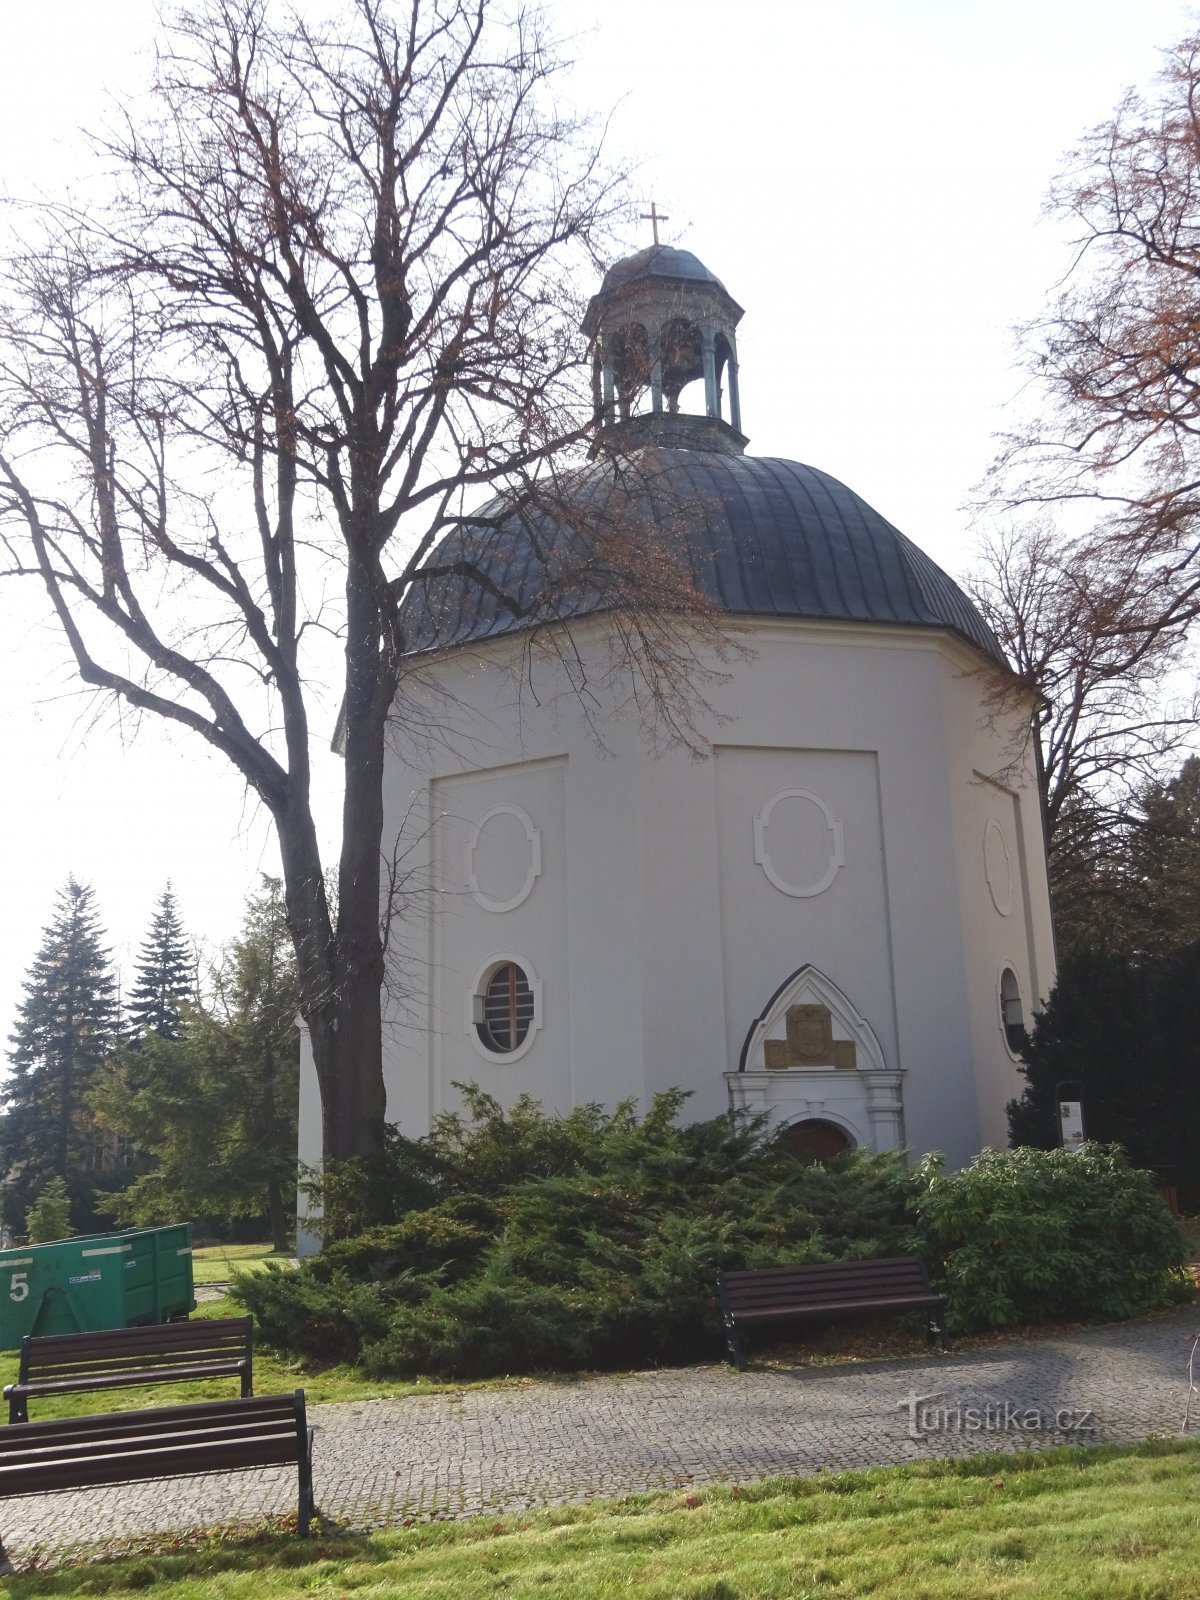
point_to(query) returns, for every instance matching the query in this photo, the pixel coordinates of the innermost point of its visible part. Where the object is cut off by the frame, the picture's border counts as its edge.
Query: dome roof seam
(761, 536)
(782, 567)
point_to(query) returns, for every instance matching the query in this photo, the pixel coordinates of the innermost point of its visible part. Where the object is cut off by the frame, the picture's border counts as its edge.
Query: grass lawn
(217, 1263)
(1069, 1524)
(273, 1374)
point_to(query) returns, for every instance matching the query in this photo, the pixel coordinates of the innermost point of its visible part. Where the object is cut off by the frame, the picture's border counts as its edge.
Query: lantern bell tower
(660, 323)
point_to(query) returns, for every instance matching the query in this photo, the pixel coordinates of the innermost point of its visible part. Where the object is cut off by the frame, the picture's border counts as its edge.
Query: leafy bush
(1045, 1235)
(595, 1240)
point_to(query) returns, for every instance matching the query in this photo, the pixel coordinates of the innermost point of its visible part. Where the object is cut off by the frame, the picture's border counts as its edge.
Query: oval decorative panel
(798, 843)
(504, 858)
(997, 867)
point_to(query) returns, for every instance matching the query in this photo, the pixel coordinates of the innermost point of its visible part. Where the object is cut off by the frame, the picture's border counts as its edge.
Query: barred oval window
(507, 1008)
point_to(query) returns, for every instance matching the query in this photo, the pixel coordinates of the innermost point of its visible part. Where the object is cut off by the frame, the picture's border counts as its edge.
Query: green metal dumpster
(100, 1280)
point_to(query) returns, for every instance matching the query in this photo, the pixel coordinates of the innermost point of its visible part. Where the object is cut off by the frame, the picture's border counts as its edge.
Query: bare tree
(1096, 607)
(330, 299)
(1116, 357)
(1087, 636)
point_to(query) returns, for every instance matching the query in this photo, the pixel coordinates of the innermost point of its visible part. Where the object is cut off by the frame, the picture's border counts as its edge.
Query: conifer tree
(64, 1031)
(214, 1111)
(49, 1217)
(164, 974)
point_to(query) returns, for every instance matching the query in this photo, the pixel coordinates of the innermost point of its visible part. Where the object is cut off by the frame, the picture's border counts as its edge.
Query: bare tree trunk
(339, 987)
(277, 1221)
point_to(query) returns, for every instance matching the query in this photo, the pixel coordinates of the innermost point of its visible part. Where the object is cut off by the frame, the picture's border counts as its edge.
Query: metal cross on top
(654, 217)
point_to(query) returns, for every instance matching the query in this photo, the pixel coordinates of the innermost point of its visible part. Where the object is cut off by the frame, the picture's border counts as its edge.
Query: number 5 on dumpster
(18, 1288)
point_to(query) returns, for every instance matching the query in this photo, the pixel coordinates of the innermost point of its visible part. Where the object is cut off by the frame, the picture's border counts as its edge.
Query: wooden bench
(120, 1358)
(167, 1442)
(825, 1291)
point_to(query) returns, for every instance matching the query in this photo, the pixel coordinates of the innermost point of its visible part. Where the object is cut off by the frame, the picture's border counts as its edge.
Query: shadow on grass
(273, 1546)
(165, 1558)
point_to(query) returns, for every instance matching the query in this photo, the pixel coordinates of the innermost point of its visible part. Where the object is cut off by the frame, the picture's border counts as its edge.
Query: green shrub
(327, 1319)
(485, 1150)
(594, 1240)
(449, 1236)
(1047, 1235)
(487, 1325)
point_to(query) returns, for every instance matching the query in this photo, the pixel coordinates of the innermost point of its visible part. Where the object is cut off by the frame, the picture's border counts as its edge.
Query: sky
(865, 176)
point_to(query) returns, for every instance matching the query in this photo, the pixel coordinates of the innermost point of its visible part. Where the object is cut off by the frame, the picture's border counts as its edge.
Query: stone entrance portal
(811, 1061)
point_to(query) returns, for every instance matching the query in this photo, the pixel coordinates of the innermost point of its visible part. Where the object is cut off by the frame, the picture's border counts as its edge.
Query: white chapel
(838, 916)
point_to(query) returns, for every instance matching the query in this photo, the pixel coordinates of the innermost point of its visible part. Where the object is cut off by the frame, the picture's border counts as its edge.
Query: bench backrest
(120, 1446)
(840, 1282)
(166, 1344)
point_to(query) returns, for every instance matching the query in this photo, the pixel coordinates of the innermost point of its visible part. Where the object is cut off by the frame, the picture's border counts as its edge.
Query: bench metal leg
(248, 1359)
(734, 1345)
(306, 1507)
(937, 1327)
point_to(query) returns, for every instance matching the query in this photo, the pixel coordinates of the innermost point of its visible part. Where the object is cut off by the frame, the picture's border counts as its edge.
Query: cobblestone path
(449, 1455)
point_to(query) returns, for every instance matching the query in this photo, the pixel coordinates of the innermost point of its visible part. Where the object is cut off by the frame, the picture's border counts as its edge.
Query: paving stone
(381, 1462)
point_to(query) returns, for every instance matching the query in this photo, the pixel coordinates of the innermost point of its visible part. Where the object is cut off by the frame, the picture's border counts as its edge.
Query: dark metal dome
(659, 261)
(763, 537)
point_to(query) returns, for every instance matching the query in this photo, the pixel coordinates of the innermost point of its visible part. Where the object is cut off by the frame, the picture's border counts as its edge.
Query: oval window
(1012, 1012)
(507, 1006)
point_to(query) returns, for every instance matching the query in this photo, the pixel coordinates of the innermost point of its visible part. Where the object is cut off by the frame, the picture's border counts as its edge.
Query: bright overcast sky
(866, 178)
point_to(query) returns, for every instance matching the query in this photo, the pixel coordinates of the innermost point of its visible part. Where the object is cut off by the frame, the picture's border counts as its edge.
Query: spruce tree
(215, 1110)
(164, 974)
(64, 1031)
(49, 1217)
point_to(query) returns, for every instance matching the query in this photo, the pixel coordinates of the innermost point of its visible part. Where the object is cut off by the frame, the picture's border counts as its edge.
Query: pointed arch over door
(809, 987)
